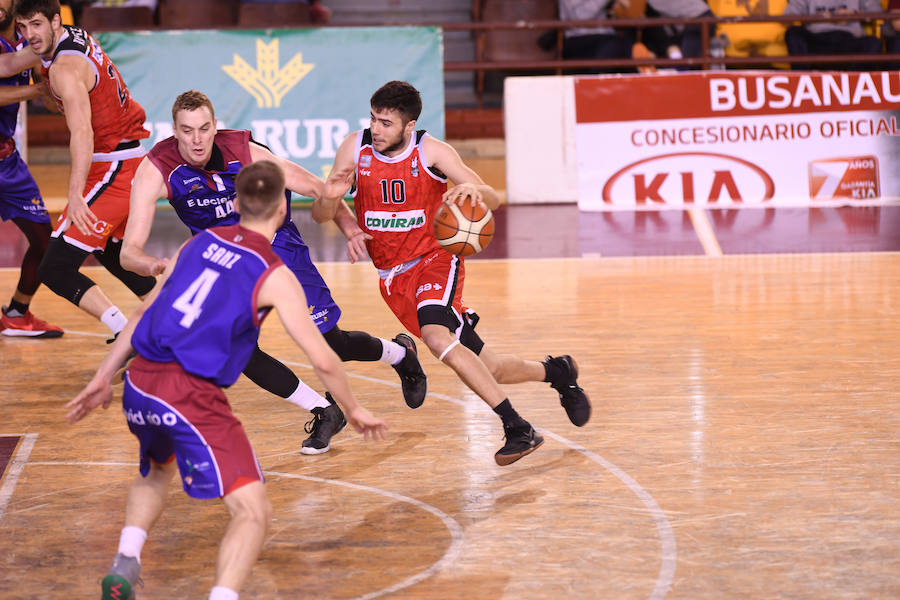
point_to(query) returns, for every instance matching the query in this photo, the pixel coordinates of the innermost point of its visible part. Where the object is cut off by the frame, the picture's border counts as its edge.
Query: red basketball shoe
(27, 326)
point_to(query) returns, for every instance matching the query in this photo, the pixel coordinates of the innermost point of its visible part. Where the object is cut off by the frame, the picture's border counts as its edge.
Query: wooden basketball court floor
(744, 441)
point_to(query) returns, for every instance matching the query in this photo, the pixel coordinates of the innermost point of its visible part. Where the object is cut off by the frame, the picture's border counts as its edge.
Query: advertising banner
(300, 92)
(737, 139)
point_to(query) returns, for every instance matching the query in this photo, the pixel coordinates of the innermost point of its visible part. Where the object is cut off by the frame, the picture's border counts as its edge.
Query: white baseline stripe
(15, 469)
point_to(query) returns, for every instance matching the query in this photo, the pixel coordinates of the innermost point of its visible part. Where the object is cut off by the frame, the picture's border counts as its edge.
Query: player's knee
(437, 339)
(339, 341)
(59, 271)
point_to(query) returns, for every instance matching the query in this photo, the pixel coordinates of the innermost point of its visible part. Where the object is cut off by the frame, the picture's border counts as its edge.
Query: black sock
(552, 371)
(18, 307)
(508, 414)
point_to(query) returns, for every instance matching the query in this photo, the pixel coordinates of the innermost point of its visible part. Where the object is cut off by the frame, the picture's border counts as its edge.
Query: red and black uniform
(118, 124)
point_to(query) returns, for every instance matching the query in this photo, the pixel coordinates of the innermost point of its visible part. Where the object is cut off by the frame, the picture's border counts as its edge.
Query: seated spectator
(594, 42)
(676, 41)
(832, 37)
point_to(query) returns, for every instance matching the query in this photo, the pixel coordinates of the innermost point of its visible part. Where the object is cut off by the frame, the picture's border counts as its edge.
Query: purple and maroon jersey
(204, 197)
(9, 112)
(206, 316)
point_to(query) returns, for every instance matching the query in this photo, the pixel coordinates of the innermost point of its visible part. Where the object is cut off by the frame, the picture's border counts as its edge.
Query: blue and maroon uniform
(204, 197)
(19, 194)
(195, 339)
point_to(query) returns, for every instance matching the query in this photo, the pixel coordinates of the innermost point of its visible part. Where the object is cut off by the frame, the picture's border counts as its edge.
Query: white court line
(668, 547)
(15, 469)
(450, 556)
(705, 232)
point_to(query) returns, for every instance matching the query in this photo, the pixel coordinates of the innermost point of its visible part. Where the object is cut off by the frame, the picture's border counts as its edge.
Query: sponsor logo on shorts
(137, 417)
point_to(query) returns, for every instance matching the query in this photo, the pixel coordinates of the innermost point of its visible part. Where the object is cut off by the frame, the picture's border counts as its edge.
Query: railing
(705, 61)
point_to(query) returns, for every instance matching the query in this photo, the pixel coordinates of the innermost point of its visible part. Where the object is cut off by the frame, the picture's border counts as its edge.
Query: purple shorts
(19, 194)
(171, 412)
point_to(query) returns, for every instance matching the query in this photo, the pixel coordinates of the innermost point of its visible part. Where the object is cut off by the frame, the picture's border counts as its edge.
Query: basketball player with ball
(397, 177)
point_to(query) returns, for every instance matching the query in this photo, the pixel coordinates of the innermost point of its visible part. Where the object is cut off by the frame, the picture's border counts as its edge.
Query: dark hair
(259, 187)
(26, 9)
(399, 96)
(192, 100)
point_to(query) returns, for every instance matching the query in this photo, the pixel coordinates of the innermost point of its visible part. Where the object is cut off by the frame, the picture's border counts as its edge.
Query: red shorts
(171, 412)
(107, 193)
(426, 291)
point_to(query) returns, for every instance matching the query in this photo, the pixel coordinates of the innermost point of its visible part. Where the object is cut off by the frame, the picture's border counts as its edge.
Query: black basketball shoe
(563, 373)
(326, 423)
(520, 440)
(412, 377)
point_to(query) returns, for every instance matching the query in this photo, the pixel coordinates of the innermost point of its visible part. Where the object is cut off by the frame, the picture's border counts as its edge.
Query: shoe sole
(116, 587)
(508, 459)
(31, 334)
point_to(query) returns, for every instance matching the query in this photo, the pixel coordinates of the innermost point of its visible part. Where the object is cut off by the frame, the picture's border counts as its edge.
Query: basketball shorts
(290, 248)
(107, 193)
(20, 197)
(171, 412)
(426, 291)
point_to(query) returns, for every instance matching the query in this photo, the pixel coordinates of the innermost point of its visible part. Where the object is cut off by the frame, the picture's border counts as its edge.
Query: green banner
(299, 91)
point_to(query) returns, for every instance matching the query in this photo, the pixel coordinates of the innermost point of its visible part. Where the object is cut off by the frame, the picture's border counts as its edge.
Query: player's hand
(458, 194)
(158, 266)
(339, 182)
(356, 246)
(97, 392)
(366, 423)
(47, 98)
(81, 216)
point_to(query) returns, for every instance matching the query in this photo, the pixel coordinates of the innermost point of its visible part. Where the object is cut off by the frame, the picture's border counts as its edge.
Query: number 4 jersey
(206, 316)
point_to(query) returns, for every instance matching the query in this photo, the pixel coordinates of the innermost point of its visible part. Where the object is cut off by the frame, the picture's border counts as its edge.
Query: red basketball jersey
(396, 198)
(115, 116)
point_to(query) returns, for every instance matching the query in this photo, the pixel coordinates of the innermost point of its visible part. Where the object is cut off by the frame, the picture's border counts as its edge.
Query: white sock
(131, 541)
(392, 352)
(114, 319)
(222, 593)
(306, 397)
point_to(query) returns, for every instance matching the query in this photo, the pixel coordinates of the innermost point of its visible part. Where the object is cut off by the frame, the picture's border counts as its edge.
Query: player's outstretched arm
(68, 77)
(12, 63)
(296, 178)
(10, 94)
(99, 390)
(339, 181)
(282, 291)
(468, 183)
(148, 186)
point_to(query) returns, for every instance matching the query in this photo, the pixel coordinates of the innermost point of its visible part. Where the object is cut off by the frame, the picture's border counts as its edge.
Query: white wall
(539, 116)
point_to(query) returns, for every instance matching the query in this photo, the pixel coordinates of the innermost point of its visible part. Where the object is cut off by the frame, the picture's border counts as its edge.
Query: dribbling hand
(459, 193)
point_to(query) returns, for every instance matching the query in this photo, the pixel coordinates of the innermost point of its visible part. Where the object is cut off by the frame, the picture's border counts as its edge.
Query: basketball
(463, 230)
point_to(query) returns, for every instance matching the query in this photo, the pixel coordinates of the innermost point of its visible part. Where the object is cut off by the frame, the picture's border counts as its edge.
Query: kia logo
(689, 178)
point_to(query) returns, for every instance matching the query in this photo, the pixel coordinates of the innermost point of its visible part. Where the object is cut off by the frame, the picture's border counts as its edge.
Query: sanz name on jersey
(221, 256)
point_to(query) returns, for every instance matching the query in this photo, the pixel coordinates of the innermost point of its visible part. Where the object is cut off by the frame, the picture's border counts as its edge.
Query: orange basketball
(463, 230)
